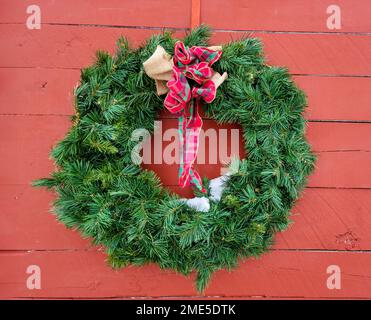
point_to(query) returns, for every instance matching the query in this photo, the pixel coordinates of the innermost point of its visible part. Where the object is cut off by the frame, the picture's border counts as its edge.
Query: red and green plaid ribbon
(190, 63)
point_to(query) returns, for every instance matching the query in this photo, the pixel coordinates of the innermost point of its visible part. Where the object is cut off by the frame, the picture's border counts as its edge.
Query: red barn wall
(332, 221)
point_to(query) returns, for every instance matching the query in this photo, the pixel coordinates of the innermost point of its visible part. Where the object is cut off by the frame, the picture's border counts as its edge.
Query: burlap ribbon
(171, 75)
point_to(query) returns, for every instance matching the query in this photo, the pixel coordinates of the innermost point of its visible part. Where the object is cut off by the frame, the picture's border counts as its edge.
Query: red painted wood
(339, 146)
(333, 169)
(278, 15)
(287, 274)
(329, 219)
(195, 13)
(38, 69)
(270, 15)
(313, 53)
(323, 219)
(47, 130)
(329, 98)
(25, 143)
(37, 91)
(342, 169)
(164, 13)
(27, 222)
(335, 136)
(215, 149)
(337, 98)
(62, 46)
(74, 47)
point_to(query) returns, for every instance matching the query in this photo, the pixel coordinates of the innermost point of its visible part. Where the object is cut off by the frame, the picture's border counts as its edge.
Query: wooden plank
(271, 15)
(323, 219)
(278, 15)
(325, 54)
(334, 136)
(329, 98)
(25, 143)
(37, 90)
(102, 12)
(27, 223)
(282, 274)
(329, 219)
(337, 98)
(195, 13)
(339, 145)
(333, 170)
(74, 47)
(62, 46)
(342, 170)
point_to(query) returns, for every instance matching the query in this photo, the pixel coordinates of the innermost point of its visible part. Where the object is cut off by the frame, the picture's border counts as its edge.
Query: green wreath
(126, 209)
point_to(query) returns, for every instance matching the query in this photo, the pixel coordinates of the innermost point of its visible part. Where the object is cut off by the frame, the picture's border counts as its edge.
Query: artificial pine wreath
(126, 209)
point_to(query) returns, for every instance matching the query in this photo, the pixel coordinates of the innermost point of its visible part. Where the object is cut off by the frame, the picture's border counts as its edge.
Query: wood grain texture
(25, 143)
(195, 13)
(323, 219)
(27, 222)
(325, 54)
(73, 47)
(141, 13)
(36, 91)
(333, 170)
(84, 274)
(331, 222)
(337, 98)
(286, 15)
(61, 46)
(270, 15)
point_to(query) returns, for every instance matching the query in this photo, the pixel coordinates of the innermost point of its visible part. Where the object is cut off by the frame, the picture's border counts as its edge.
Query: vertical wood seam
(195, 13)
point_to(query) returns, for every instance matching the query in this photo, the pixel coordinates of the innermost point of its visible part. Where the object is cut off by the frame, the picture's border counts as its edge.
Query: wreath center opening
(218, 145)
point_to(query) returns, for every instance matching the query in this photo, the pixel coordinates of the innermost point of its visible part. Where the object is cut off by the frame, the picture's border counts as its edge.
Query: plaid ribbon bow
(190, 63)
(187, 63)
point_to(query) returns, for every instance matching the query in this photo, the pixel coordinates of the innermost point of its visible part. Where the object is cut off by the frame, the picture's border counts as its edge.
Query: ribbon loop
(207, 92)
(188, 63)
(182, 55)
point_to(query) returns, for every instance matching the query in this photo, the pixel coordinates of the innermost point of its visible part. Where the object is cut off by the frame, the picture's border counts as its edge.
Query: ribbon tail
(182, 146)
(189, 143)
